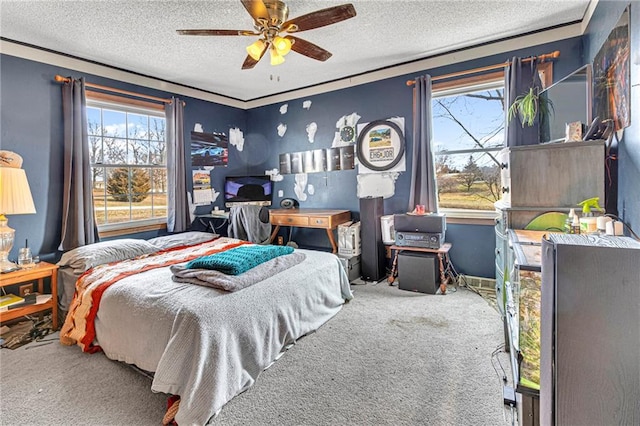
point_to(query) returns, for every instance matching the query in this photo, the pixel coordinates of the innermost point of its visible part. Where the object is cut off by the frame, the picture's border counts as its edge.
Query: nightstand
(39, 272)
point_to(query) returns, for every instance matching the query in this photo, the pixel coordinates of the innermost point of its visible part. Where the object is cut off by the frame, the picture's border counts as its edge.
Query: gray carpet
(390, 357)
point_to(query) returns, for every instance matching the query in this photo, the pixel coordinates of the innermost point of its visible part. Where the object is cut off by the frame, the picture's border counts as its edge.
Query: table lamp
(15, 198)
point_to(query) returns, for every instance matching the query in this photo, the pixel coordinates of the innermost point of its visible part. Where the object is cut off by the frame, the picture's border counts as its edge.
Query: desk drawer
(290, 220)
(319, 222)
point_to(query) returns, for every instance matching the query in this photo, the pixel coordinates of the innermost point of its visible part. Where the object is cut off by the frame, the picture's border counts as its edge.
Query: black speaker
(432, 223)
(418, 272)
(372, 261)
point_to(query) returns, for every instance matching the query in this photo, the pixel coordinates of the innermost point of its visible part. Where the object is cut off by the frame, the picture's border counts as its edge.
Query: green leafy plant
(527, 107)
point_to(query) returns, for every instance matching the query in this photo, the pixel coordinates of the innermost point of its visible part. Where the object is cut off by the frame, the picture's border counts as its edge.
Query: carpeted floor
(390, 357)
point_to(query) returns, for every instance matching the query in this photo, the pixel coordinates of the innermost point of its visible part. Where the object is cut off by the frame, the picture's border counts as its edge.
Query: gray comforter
(208, 345)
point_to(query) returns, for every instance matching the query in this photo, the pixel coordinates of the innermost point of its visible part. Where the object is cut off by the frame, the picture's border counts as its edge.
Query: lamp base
(6, 242)
(7, 266)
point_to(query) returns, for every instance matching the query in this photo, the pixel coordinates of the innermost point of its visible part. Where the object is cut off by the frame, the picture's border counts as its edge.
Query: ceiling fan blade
(320, 18)
(256, 9)
(309, 49)
(249, 62)
(217, 32)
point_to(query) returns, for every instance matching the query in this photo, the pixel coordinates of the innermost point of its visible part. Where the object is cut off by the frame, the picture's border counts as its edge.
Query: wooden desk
(442, 252)
(309, 218)
(39, 272)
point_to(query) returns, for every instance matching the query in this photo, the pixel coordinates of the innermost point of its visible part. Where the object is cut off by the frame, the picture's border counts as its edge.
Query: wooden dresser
(309, 218)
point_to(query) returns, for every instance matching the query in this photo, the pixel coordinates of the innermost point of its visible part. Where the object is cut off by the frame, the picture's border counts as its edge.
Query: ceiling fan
(270, 21)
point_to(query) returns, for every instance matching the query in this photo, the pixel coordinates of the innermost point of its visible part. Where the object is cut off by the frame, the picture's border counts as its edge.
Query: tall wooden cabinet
(538, 179)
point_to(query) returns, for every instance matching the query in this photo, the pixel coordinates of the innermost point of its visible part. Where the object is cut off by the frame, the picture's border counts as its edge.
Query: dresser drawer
(499, 289)
(500, 255)
(289, 220)
(501, 223)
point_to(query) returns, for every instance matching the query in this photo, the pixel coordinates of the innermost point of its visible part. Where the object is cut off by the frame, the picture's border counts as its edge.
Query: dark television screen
(248, 190)
(571, 101)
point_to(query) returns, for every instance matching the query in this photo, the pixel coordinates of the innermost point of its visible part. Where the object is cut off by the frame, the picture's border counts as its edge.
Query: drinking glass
(25, 259)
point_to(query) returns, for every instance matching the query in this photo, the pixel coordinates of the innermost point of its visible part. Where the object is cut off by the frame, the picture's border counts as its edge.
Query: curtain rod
(552, 55)
(61, 79)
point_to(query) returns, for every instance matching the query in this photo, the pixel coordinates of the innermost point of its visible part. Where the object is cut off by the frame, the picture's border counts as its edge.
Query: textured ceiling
(140, 36)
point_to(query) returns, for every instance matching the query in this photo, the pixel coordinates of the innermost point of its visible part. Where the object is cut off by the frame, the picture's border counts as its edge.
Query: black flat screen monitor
(257, 190)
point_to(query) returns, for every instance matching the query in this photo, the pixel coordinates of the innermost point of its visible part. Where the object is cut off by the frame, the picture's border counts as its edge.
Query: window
(128, 154)
(468, 133)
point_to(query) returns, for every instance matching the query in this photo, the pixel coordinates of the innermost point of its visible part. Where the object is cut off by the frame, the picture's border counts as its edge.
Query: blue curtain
(78, 221)
(423, 177)
(519, 76)
(178, 215)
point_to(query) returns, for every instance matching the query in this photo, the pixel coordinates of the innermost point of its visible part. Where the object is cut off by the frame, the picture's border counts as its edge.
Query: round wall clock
(380, 145)
(347, 134)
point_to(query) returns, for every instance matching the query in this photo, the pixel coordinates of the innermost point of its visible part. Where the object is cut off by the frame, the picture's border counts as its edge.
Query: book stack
(11, 301)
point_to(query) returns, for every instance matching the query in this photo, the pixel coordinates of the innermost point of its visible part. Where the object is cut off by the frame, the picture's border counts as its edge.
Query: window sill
(470, 217)
(116, 230)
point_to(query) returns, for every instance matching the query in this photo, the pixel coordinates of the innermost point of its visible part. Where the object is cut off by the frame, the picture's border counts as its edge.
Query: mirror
(570, 98)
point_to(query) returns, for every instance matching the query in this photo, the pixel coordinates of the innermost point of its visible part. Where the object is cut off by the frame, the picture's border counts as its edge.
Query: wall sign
(380, 145)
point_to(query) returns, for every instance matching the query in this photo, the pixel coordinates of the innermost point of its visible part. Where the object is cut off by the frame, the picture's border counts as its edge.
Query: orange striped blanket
(79, 325)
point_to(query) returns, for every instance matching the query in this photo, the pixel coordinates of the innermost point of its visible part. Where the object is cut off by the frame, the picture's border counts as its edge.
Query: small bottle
(569, 221)
(575, 225)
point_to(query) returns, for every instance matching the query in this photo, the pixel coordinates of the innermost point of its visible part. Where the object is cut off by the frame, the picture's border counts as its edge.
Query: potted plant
(528, 105)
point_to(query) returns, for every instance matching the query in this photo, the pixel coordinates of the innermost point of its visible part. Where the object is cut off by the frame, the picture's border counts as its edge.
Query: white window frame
(116, 103)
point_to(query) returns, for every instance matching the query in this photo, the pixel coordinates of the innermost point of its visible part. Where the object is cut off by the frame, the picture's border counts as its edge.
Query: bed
(202, 344)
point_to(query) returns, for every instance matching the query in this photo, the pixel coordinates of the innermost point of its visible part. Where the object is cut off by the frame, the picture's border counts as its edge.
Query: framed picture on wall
(380, 146)
(209, 149)
(611, 76)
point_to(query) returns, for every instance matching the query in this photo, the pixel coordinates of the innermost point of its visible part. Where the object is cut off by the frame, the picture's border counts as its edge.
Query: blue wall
(472, 245)
(31, 124)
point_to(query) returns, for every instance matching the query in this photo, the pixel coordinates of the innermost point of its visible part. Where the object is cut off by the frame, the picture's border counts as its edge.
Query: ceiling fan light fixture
(270, 20)
(255, 49)
(276, 58)
(282, 45)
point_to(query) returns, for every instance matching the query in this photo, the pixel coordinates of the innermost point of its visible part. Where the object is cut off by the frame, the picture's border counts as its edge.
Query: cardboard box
(349, 243)
(351, 265)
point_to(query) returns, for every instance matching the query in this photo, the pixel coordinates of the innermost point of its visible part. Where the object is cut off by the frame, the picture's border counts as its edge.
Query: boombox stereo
(419, 239)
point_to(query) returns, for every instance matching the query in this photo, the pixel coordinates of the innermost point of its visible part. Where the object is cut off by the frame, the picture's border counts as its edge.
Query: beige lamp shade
(15, 194)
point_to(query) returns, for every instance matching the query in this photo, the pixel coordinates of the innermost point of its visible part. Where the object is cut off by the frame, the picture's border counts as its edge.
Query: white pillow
(83, 258)
(182, 239)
